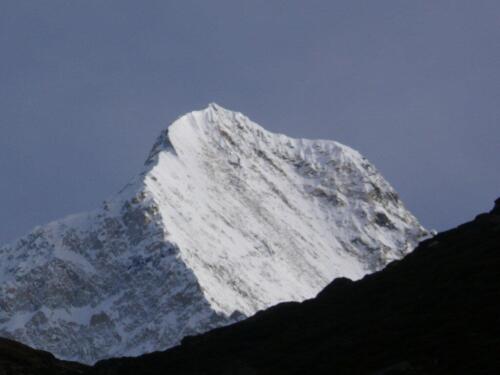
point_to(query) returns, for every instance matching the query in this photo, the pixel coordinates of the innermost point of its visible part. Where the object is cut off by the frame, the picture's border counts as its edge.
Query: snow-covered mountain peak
(225, 219)
(211, 122)
(222, 128)
(217, 167)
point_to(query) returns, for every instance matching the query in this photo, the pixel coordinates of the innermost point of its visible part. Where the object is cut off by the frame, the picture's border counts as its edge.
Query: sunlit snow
(226, 219)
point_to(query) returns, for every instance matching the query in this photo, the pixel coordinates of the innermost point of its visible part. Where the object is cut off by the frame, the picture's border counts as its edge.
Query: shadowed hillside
(19, 359)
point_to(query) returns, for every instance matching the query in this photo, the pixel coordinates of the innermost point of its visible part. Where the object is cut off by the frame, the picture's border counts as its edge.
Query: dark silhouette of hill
(19, 359)
(437, 311)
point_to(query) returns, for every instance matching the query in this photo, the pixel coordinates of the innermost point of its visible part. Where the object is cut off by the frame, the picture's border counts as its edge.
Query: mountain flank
(437, 311)
(224, 220)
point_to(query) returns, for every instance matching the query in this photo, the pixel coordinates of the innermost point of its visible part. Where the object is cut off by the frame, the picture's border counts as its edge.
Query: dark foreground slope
(19, 359)
(435, 312)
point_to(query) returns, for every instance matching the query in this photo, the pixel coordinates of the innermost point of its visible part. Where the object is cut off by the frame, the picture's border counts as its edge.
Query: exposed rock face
(226, 219)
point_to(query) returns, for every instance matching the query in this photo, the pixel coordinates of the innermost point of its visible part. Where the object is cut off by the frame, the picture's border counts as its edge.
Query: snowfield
(225, 219)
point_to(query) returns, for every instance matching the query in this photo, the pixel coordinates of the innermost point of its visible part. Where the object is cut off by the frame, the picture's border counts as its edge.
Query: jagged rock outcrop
(226, 219)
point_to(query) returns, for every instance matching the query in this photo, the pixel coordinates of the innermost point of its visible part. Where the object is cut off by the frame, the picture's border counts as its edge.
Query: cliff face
(225, 219)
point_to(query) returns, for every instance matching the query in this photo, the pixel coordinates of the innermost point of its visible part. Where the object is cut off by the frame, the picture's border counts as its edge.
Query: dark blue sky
(86, 86)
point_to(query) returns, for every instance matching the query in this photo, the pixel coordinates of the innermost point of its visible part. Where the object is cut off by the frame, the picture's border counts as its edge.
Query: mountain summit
(226, 219)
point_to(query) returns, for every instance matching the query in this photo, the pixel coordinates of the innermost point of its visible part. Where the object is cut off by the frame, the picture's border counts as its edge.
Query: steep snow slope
(226, 219)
